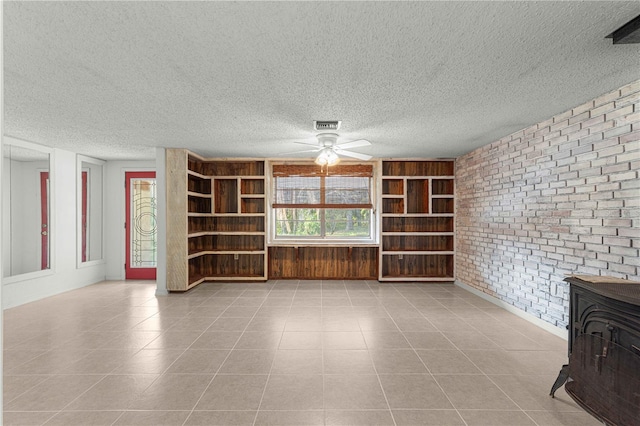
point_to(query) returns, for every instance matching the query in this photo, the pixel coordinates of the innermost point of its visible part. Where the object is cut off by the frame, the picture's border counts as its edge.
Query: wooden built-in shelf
(417, 233)
(216, 229)
(227, 223)
(417, 223)
(216, 219)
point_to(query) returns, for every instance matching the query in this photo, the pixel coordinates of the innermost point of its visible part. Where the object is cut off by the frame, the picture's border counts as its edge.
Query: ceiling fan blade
(297, 152)
(353, 154)
(354, 144)
(307, 142)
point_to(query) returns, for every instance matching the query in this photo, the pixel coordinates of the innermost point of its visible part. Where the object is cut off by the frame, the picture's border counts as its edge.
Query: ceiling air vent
(326, 125)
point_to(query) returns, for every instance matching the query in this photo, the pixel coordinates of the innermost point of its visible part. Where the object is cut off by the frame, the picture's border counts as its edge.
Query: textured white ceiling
(427, 79)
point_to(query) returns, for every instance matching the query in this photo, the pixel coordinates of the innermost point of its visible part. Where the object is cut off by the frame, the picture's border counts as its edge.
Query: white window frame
(273, 240)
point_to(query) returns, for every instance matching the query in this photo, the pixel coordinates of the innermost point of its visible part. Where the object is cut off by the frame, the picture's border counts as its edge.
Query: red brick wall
(559, 197)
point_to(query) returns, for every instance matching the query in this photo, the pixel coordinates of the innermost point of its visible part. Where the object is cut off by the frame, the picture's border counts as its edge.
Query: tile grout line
(324, 406)
(147, 387)
(266, 383)
(384, 393)
(56, 412)
(225, 359)
(402, 289)
(480, 369)
(422, 361)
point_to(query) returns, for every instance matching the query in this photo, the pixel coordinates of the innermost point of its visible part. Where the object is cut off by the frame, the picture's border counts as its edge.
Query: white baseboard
(557, 331)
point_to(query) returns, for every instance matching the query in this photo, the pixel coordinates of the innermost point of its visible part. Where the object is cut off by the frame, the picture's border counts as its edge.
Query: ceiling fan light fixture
(327, 157)
(333, 158)
(321, 160)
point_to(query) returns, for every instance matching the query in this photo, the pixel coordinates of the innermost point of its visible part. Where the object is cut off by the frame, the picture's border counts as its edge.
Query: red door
(140, 226)
(84, 216)
(44, 220)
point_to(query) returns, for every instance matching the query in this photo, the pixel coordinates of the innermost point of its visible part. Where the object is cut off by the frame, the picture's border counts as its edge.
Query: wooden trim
(196, 174)
(325, 243)
(177, 200)
(203, 233)
(216, 252)
(416, 159)
(223, 214)
(198, 194)
(418, 215)
(322, 206)
(199, 157)
(415, 252)
(436, 177)
(424, 233)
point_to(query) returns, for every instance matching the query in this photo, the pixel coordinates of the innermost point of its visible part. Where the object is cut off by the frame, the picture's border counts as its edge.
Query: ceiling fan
(329, 150)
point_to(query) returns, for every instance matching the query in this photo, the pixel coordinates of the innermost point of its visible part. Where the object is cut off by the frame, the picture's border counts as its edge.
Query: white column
(161, 223)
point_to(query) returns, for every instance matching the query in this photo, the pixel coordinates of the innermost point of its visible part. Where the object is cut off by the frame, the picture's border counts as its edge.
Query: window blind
(309, 170)
(305, 186)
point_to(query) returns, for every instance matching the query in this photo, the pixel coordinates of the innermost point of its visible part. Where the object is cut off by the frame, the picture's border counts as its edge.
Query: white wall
(114, 213)
(64, 274)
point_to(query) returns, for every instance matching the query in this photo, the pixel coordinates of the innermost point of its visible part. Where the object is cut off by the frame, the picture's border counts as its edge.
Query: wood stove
(603, 374)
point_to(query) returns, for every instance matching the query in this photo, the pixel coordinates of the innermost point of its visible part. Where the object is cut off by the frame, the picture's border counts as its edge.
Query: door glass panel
(143, 223)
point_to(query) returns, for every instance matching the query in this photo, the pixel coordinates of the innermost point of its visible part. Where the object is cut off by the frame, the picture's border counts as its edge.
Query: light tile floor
(281, 352)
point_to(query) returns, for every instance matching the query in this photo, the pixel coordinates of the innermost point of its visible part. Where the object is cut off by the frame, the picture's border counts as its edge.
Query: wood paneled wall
(351, 263)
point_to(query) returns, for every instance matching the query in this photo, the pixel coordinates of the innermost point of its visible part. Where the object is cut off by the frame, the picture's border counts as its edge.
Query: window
(90, 207)
(309, 204)
(26, 199)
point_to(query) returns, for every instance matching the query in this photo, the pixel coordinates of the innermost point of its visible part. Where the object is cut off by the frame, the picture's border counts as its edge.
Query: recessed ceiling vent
(326, 125)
